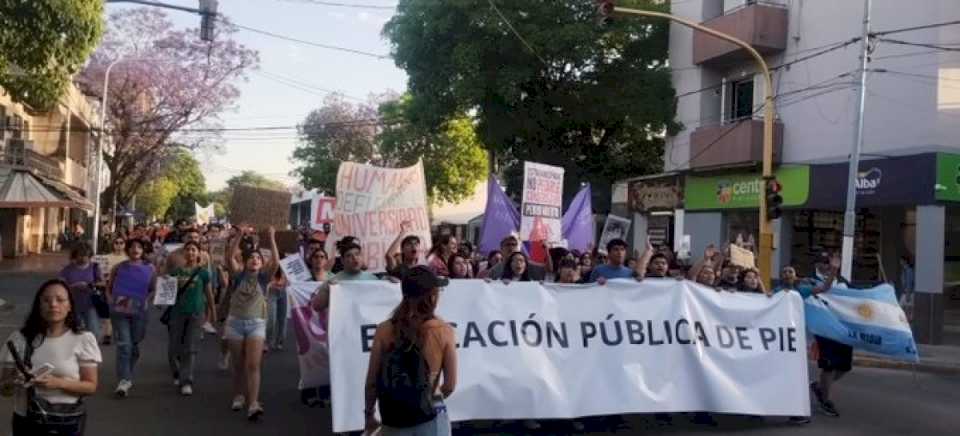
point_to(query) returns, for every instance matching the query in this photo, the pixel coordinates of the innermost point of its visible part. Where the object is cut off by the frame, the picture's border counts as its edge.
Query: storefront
(722, 209)
(655, 205)
(908, 221)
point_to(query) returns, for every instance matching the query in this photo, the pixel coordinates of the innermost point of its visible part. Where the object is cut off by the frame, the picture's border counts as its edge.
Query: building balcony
(732, 144)
(762, 25)
(77, 175)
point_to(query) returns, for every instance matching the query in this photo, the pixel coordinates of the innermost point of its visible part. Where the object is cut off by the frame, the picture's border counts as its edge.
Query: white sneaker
(238, 403)
(209, 328)
(223, 363)
(123, 388)
(186, 390)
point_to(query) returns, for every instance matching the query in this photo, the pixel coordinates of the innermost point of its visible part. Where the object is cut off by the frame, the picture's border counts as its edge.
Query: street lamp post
(769, 113)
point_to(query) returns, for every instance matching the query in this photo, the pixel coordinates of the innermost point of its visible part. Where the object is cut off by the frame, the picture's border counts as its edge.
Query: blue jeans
(91, 321)
(276, 317)
(128, 331)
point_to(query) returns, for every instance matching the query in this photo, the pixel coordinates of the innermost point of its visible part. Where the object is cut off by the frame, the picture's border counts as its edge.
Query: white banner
(310, 328)
(204, 215)
(536, 351)
(540, 217)
(371, 204)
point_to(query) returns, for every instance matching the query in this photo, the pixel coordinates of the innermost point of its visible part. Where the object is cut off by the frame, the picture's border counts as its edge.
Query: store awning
(23, 189)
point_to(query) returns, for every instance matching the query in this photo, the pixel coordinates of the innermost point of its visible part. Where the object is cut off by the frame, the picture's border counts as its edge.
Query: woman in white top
(53, 331)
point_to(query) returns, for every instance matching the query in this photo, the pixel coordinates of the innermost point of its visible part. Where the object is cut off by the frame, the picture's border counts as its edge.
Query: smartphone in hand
(38, 372)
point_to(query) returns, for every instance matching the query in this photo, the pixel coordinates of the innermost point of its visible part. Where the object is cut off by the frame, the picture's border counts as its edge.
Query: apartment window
(741, 103)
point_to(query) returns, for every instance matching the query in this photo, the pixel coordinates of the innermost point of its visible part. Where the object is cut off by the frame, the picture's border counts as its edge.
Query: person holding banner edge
(246, 324)
(440, 254)
(836, 359)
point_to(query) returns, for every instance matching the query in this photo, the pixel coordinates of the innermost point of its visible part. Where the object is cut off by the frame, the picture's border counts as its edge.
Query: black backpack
(404, 388)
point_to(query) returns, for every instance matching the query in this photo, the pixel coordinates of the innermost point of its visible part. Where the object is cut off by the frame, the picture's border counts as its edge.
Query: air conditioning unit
(16, 152)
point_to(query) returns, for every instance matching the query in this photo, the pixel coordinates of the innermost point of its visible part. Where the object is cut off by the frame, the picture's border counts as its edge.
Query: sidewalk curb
(927, 367)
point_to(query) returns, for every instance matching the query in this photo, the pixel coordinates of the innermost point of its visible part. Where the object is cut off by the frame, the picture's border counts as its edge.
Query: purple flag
(578, 228)
(500, 218)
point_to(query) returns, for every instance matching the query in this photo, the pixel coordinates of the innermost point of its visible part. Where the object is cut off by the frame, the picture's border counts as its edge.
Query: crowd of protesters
(240, 296)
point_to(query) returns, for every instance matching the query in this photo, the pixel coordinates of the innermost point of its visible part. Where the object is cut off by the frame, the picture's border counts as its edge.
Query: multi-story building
(45, 172)
(909, 181)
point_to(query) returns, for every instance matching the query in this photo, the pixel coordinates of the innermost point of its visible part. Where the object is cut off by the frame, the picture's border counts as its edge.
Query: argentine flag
(866, 319)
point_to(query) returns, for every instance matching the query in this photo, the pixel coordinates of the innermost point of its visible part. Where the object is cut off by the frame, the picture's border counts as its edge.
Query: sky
(292, 77)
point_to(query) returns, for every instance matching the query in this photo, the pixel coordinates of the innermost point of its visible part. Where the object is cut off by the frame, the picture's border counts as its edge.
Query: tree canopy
(167, 89)
(43, 44)
(379, 132)
(595, 99)
(172, 194)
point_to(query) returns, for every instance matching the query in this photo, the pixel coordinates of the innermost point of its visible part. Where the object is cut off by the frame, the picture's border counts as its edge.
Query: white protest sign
(532, 351)
(295, 268)
(204, 215)
(742, 257)
(615, 228)
(540, 217)
(371, 204)
(166, 294)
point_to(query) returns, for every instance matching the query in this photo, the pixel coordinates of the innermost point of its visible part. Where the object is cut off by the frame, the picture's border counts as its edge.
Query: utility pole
(850, 215)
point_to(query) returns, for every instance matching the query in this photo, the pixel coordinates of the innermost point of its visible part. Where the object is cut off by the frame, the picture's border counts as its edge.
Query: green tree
(154, 198)
(178, 183)
(593, 99)
(454, 160)
(245, 178)
(185, 171)
(336, 131)
(43, 43)
(382, 134)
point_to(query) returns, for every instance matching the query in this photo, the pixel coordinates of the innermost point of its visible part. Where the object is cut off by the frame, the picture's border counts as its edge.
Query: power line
(345, 5)
(303, 86)
(512, 29)
(910, 29)
(919, 44)
(310, 43)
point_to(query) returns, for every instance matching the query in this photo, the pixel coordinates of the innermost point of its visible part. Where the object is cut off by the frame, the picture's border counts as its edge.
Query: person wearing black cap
(413, 330)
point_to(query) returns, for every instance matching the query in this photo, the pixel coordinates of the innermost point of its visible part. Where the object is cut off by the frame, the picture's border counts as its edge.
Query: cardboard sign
(166, 294)
(218, 251)
(260, 208)
(742, 257)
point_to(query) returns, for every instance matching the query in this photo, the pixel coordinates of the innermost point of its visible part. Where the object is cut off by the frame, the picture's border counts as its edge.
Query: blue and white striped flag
(866, 319)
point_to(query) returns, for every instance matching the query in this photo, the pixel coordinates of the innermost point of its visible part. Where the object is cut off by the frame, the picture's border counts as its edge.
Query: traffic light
(774, 199)
(208, 19)
(604, 11)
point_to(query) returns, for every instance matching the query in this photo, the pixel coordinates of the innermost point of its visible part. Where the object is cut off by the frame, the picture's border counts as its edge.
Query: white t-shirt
(66, 353)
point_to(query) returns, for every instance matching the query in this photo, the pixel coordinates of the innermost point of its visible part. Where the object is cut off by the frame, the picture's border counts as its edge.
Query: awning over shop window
(23, 189)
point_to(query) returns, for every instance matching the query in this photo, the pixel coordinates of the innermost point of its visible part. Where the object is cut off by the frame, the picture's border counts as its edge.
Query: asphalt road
(871, 401)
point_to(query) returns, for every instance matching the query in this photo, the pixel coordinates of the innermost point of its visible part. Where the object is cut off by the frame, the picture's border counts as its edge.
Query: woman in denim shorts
(246, 327)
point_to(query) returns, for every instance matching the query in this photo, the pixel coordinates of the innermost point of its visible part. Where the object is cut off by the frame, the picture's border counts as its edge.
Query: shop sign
(738, 191)
(647, 195)
(894, 181)
(948, 177)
